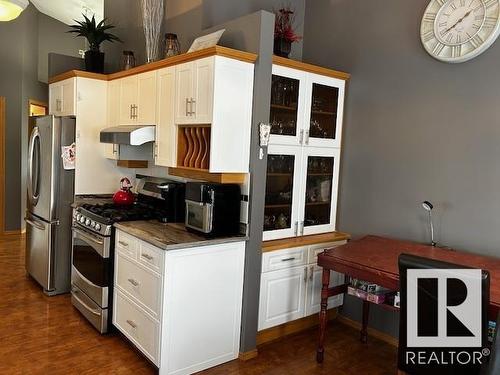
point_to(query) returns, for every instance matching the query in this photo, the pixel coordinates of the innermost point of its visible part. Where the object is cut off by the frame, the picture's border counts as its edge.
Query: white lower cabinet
(291, 285)
(170, 304)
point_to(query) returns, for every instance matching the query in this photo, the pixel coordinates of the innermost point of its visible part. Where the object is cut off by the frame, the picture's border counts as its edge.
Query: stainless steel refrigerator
(50, 195)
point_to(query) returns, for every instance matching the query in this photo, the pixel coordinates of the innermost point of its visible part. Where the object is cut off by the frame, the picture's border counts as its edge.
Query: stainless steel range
(93, 244)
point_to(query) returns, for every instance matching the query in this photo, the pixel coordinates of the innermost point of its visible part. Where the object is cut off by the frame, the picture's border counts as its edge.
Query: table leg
(323, 317)
(364, 326)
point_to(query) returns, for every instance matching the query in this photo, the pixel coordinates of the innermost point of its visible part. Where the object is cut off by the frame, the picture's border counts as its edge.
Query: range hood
(133, 135)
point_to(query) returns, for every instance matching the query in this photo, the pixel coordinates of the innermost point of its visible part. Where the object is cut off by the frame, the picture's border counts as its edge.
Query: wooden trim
(132, 163)
(294, 64)
(286, 243)
(174, 60)
(371, 331)
(2, 164)
(278, 332)
(245, 356)
(38, 103)
(204, 175)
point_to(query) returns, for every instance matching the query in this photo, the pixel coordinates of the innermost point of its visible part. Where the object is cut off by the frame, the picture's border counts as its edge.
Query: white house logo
(451, 320)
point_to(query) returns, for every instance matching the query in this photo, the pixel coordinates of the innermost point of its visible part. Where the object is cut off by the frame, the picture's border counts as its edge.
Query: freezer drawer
(40, 251)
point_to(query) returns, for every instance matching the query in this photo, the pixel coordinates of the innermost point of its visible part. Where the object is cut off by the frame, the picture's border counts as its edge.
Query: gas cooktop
(109, 213)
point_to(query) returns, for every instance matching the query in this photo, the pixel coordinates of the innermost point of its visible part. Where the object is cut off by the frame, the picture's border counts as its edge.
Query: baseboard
(371, 331)
(245, 356)
(274, 333)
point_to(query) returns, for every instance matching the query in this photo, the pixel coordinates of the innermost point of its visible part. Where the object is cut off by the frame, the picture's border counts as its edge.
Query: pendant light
(11, 9)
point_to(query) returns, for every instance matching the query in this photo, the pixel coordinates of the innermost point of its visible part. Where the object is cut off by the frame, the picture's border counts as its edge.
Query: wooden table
(375, 259)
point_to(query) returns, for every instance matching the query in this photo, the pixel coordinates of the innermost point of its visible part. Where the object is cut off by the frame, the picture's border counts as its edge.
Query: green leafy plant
(96, 33)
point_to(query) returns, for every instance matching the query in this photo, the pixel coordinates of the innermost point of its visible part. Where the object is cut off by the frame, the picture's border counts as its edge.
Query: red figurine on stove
(124, 196)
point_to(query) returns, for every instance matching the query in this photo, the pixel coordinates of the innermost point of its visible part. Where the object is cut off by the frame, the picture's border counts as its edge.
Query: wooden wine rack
(193, 149)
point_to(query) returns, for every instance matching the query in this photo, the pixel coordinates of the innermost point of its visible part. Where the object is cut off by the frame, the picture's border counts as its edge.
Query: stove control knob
(82, 219)
(98, 226)
(87, 222)
(92, 224)
(78, 216)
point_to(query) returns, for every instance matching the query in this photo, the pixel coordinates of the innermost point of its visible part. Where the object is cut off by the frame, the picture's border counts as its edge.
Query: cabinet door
(202, 100)
(282, 296)
(184, 92)
(166, 134)
(55, 99)
(314, 286)
(324, 111)
(287, 106)
(113, 113)
(68, 97)
(111, 151)
(145, 112)
(282, 192)
(320, 177)
(128, 99)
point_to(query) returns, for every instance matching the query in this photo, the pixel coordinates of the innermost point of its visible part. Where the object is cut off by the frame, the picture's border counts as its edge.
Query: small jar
(172, 46)
(128, 60)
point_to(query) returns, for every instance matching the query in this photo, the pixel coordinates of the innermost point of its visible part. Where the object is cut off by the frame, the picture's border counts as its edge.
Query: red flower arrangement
(284, 24)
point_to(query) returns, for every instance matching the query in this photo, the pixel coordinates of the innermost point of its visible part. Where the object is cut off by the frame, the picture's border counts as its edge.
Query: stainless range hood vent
(133, 135)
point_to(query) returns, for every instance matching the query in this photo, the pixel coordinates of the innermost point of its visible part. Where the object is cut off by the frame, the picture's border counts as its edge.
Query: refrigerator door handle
(34, 224)
(33, 190)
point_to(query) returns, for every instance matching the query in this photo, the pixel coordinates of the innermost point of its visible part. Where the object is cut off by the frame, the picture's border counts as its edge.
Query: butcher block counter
(170, 236)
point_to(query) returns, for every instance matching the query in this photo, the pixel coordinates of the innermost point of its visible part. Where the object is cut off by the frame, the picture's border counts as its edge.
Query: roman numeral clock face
(458, 30)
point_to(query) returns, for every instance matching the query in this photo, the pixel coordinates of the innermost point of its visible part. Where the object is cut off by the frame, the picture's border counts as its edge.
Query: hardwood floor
(46, 335)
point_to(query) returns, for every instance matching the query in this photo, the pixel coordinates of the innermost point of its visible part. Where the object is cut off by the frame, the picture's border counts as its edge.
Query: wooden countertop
(174, 60)
(170, 236)
(286, 243)
(300, 65)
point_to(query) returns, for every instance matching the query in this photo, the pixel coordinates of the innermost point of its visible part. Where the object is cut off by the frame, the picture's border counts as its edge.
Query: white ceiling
(67, 11)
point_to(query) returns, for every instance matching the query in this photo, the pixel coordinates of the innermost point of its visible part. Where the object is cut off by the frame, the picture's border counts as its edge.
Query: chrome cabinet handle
(311, 273)
(193, 108)
(123, 243)
(307, 137)
(301, 136)
(187, 107)
(130, 112)
(301, 228)
(296, 230)
(305, 274)
(133, 282)
(147, 256)
(58, 105)
(132, 323)
(288, 259)
(136, 111)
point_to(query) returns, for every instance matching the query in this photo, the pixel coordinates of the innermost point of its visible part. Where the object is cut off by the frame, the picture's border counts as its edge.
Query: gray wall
(415, 128)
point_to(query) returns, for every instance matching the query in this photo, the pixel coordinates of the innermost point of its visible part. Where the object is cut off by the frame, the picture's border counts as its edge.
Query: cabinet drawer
(144, 286)
(150, 257)
(137, 326)
(126, 244)
(314, 250)
(286, 258)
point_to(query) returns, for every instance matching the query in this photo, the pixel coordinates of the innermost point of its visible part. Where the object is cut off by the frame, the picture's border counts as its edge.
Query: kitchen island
(177, 295)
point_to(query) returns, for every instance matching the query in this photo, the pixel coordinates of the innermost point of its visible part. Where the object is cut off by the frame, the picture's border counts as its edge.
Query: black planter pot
(94, 61)
(282, 47)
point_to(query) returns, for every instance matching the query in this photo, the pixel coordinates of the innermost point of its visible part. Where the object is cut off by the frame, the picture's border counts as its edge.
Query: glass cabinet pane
(324, 104)
(318, 190)
(279, 188)
(284, 105)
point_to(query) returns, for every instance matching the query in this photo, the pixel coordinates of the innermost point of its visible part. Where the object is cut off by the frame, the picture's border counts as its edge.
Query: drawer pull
(133, 282)
(132, 324)
(287, 259)
(123, 243)
(147, 256)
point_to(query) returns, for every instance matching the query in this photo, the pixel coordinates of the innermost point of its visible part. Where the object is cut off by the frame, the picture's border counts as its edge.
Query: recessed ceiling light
(11, 9)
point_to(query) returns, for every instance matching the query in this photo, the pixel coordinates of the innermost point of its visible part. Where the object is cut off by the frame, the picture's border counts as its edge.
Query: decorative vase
(152, 18)
(282, 46)
(94, 61)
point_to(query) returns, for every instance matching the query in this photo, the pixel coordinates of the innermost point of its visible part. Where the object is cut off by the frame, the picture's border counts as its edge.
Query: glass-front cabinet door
(287, 106)
(319, 190)
(282, 192)
(324, 111)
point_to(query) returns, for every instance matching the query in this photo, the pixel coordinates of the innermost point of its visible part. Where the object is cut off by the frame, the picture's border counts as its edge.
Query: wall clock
(455, 31)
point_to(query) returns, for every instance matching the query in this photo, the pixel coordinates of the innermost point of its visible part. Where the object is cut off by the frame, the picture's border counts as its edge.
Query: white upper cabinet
(62, 98)
(166, 134)
(306, 108)
(127, 100)
(195, 86)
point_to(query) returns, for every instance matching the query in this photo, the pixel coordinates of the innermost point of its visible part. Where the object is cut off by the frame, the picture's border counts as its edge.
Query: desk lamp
(428, 207)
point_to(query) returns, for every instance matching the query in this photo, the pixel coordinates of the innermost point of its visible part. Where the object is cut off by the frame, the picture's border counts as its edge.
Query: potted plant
(95, 34)
(284, 35)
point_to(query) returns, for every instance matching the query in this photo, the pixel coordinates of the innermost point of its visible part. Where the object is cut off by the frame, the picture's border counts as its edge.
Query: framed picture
(206, 41)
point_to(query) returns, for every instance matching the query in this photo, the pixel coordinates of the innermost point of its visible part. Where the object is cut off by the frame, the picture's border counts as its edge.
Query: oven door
(91, 265)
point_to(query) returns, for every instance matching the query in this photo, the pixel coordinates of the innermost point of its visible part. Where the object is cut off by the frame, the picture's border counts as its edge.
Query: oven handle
(93, 311)
(88, 236)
